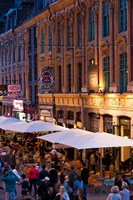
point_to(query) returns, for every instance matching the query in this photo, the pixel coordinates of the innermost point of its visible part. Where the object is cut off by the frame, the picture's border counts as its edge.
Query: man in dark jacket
(10, 180)
(84, 178)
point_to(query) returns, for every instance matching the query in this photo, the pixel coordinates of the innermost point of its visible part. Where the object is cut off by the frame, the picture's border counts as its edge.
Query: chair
(108, 184)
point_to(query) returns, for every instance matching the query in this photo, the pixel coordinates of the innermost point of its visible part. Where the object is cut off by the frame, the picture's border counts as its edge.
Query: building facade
(79, 64)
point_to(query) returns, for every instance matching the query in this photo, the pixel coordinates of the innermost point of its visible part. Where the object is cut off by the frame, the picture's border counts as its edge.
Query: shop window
(60, 114)
(70, 115)
(108, 124)
(78, 117)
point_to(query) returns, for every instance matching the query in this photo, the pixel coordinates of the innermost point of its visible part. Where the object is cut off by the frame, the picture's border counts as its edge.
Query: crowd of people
(51, 182)
(46, 182)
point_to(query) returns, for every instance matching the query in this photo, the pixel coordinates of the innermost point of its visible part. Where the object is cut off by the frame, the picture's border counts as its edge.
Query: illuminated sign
(3, 87)
(46, 80)
(14, 88)
(18, 105)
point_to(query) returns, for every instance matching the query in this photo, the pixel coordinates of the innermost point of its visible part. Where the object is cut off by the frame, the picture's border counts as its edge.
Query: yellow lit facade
(88, 49)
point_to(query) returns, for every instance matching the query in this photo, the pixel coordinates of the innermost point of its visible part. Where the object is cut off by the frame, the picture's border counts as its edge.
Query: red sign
(14, 88)
(18, 105)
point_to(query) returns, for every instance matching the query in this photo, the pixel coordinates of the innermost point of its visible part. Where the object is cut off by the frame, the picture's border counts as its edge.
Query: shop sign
(46, 80)
(45, 107)
(14, 88)
(3, 87)
(45, 113)
(18, 105)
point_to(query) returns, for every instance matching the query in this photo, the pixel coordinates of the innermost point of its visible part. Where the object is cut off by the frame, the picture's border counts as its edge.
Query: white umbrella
(34, 126)
(82, 139)
(2, 118)
(8, 121)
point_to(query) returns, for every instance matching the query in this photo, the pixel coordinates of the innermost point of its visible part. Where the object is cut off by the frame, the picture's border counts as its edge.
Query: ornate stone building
(88, 47)
(84, 64)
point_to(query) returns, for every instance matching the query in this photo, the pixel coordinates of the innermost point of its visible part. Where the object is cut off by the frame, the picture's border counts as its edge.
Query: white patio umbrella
(82, 139)
(34, 126)
(7, 121)
(2, 118)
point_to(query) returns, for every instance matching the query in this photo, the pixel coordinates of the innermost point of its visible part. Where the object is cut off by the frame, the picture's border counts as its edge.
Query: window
(79, 77)
(30, 68)
(30, 36)
(19, 53)
(105, 18)
(69, 78)
(59, 37)
(50, 38)
(106, 66)
(35, 39)
(42, 43)
(35, 67)
(79, 42)
(69, 35)
(123, 72)
(59, 71)
(91, 24)
(122, 15)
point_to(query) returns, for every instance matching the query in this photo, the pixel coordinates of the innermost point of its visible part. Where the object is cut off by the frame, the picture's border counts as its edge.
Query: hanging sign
(46, 80)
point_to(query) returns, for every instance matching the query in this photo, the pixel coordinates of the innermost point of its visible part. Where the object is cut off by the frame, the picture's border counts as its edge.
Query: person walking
(114, 195)
(10, 181)
(125, 194)
(84, 178)
(33, 176)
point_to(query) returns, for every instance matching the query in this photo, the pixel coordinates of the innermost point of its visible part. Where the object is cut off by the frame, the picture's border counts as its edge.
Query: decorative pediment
(122, 39)
(67, 54)
(77, 51)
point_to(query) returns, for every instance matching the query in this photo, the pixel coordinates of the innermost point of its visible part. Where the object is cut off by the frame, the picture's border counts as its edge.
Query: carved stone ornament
(91, 52)
(105, 48)
(121, 44)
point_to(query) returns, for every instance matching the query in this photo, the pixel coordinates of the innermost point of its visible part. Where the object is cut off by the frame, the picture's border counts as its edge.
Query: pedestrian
(25, 186)
(84, 178)
(50, 195)
(43, 173)
(125, 194)
(78, 183)
(62, 195)
(114, 195)
(80, 195)
(33, 176)
(10, 180)
(71, 176)
(43, 186)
